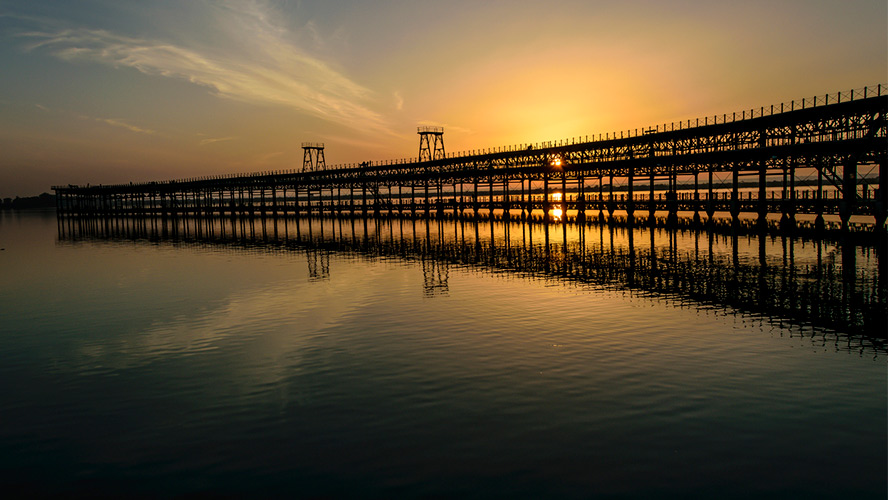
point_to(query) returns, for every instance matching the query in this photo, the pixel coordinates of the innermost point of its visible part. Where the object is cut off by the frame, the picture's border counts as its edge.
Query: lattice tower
(313, 157)
(431, 143)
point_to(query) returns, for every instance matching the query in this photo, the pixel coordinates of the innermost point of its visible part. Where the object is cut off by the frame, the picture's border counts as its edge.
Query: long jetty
(823, 157)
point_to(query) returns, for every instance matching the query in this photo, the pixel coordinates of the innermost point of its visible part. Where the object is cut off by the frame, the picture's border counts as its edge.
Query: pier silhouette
(819, 163)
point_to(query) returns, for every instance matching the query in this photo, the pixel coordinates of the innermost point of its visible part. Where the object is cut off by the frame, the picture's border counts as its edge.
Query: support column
(564, 197)
(475, 205)
(735, 196)
(400, 201)
(763, 195)
(274, 203)
(439, 203)
(696, 197)
(881, 198)
(461, 207)
(581, 199)
(351, 201)
(507, 202)
(710, 202)
(413, 201)
(849, 192)
(427, 207)
(672, 198)
(652, 201)
(523, 203)
(546, 197)
(601, 218)
(791, 205)
(630, 195)
(819, 204)
(339, 202)
(490, 195)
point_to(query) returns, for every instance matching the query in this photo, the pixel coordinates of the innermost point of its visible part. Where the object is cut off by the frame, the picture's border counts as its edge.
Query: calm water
(404, 359)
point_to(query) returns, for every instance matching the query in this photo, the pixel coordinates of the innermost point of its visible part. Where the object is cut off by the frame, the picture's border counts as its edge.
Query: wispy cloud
(270, 69)
(213, 140)
(114, 122)
(399, 100)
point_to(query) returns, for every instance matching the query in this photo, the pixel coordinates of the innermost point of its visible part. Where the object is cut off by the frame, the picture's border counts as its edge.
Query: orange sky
(102, 92)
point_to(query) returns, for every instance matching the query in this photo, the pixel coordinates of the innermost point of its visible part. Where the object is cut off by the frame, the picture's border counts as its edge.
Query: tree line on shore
(44, 200)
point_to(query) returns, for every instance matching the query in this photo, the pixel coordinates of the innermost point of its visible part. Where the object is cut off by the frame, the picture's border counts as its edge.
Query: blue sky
(117, 91)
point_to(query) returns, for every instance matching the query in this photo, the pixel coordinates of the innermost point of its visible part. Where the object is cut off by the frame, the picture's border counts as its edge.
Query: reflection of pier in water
(841, 286)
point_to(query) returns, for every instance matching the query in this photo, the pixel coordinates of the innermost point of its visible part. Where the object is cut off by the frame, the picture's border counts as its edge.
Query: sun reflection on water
(557, 212)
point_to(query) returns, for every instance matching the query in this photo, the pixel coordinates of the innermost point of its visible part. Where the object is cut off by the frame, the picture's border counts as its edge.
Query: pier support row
(771, 196)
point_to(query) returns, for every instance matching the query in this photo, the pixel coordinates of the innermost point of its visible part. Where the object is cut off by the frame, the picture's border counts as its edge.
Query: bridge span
(819, 160)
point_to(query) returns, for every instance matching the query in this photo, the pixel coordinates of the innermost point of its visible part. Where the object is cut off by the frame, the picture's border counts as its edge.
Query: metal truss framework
(313, 157)
(831, 140)
(429, 136)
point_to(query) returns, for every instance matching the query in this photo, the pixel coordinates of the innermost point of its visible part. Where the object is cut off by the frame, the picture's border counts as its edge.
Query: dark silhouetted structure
(824, 156)
(313, 157)
(431, 143)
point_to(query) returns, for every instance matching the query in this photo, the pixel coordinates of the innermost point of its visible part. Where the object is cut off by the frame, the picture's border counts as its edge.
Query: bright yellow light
(556, 196)
(557, 213)
(556, 162)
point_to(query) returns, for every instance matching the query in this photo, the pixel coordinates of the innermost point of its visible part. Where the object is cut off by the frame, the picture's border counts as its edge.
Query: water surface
(404, 358)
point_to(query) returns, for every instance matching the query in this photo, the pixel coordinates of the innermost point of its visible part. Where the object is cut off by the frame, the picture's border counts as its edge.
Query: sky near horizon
(109, 91)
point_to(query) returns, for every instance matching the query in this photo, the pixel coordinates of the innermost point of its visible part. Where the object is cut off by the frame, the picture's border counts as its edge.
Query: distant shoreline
(41, 201)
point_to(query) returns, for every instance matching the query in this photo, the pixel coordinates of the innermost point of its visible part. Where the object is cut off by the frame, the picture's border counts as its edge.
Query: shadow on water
(835, 289)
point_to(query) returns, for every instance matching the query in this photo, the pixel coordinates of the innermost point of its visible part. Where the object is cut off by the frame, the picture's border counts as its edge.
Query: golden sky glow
(106, 92)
